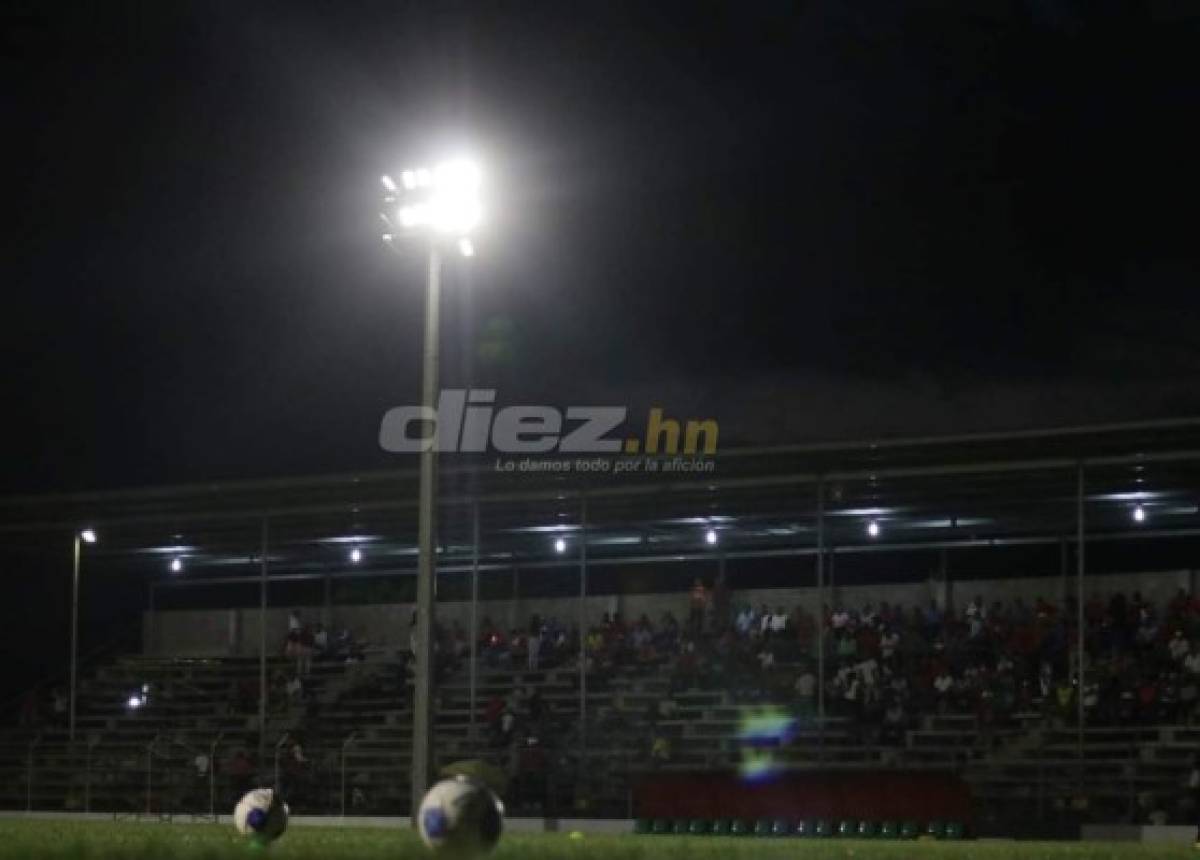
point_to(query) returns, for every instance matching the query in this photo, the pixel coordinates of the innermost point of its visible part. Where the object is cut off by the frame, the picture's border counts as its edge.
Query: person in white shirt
(806, 686)
(745, 620)
(1178, 646)
(1191, 661)
(868, 670)
(779, 620)
(888, 643)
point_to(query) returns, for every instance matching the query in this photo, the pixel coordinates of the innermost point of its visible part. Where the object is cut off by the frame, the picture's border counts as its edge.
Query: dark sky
(809, 220)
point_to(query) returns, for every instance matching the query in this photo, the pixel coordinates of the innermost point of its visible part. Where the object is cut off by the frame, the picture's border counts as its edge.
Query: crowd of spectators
(885, 665)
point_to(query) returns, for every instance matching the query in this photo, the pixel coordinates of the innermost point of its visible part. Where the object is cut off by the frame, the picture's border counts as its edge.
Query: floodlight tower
(438, 206)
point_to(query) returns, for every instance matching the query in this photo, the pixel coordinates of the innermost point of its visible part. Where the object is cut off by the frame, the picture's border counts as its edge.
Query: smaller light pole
(87, 536)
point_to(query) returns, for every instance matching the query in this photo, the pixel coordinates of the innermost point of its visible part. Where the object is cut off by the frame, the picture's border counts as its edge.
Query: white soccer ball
(261, 814)
(460, 818)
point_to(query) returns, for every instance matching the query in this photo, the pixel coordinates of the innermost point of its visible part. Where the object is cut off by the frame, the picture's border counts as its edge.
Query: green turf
(146, 841)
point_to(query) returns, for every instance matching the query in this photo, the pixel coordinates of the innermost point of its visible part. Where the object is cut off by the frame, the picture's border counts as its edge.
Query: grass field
(111, 840)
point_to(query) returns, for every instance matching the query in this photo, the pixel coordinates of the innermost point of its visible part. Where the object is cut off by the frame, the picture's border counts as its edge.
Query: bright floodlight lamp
(560, 546)
(710, 537)
(355, 555)
(88, 536)
(873, 529)
(442, 201)
(1139, 514)
(176, 565)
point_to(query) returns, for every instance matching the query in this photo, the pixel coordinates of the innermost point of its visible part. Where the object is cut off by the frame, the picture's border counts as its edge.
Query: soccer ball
(460, 818)
(261, 814)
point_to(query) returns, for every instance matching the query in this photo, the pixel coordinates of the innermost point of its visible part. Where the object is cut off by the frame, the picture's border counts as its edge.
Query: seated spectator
(766, 658)
(660, 749)
(895, 721)
(805, 689)
(1178, 647)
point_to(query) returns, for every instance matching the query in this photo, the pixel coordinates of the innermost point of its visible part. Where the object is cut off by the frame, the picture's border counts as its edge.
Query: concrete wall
(235, 632)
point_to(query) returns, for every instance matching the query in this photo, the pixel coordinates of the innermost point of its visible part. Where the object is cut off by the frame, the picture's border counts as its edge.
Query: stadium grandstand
(1017, 612)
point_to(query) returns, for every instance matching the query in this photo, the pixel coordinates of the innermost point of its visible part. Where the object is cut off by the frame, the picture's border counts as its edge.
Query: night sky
(810, 220)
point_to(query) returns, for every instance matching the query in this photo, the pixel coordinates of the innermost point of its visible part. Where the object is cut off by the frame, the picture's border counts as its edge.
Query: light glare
(451, 205)
(560, 546)
(710, 537)
(88, 536)
(1139, 514)
(387, 182)
(356, 555)
(176, 565)
(466, 247)
(873, 528)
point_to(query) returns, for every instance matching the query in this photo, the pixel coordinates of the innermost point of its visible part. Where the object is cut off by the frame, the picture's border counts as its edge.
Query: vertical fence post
(474, 626)
(87, 781)
(262, 645)
(150, 774)
(345, 749)
(1081, 537)
(820, 619)
(29, 773)
(583, 630)
(212, 776)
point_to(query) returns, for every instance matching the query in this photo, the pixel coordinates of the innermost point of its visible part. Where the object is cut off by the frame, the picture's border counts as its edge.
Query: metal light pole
(82, 537)
(426, 547)
(74, 637)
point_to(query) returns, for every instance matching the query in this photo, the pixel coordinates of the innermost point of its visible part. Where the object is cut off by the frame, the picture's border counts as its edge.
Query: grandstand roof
(950, 490)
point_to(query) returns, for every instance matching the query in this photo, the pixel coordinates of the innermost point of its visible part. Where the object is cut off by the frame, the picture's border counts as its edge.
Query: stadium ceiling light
(355, 555)
(710, 537)
(88, 536)
(560, 546)
(1139, 514)
(176, 564)
(873, 529)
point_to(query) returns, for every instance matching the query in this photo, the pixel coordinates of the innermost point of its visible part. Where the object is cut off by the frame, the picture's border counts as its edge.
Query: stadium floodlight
(440, 204)
(710, 537)
(134, 702)
(355, 555)
(88, 535)
(176, 564)
(560, 546)
(1139, 514)
(873, 529)
(442, 200)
